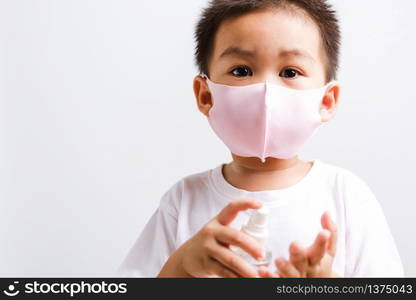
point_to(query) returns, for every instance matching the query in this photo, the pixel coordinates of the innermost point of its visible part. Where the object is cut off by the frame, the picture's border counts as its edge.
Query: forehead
(267, 33)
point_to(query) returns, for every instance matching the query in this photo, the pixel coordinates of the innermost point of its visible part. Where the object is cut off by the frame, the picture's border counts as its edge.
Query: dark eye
(241, 71)
(289, 73)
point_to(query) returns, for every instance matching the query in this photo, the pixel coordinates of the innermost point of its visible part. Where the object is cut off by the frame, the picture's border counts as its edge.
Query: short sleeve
(155, 243)
(370, 247)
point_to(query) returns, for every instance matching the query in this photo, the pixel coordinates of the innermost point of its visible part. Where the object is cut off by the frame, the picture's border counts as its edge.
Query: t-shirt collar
(230, 192)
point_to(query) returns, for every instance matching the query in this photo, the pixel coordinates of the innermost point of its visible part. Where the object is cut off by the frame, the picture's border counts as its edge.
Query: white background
(98, 119)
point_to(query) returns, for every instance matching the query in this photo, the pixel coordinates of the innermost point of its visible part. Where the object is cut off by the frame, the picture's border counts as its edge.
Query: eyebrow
(296, 52)
(237, 51)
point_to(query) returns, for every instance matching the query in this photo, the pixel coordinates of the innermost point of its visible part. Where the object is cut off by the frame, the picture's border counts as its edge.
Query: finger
(285, 268)
(229, 212)
(298, 258)
(329, 224)
(233, 261)
(228, 235)
(265, 273)
(219, 269)
(317, 250)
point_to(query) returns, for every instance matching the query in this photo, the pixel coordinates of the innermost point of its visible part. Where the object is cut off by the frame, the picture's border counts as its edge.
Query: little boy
(266, 84)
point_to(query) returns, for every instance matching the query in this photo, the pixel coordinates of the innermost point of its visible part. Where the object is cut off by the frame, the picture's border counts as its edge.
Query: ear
(202, 95)
(329, 102)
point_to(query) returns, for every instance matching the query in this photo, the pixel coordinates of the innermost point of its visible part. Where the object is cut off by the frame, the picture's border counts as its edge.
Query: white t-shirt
(365, 246)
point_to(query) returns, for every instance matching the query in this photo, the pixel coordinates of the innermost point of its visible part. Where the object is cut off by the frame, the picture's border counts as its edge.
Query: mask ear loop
(203, 75)
(331, 82)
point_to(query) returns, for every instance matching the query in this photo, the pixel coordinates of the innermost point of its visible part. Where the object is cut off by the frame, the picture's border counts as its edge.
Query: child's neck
(249, 173)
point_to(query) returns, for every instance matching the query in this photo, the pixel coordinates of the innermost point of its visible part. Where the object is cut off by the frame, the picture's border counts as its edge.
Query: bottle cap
(257, 225)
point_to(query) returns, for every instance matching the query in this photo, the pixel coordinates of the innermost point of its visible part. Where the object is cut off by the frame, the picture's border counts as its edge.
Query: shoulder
(348, 184)
(340, 174)
(180, 190)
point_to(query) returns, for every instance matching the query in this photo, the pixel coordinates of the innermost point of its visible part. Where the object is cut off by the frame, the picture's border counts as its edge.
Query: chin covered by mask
(264, 119)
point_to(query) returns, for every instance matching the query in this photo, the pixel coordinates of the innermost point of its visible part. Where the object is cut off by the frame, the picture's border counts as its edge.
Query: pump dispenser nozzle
(257, 225)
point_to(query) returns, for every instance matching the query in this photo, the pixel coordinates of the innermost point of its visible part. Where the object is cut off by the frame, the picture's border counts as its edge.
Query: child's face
(281, 46)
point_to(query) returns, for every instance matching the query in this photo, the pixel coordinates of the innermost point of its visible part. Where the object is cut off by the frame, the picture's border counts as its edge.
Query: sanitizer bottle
(257, 227)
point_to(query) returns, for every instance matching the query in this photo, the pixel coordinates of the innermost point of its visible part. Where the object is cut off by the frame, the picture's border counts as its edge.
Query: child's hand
(207, 253)
(316, 261)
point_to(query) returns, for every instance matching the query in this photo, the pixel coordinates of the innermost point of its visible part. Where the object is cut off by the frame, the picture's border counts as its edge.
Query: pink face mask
(264, 119)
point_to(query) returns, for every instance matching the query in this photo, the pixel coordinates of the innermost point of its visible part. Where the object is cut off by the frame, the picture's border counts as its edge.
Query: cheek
(318, 74)
(324, 70)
